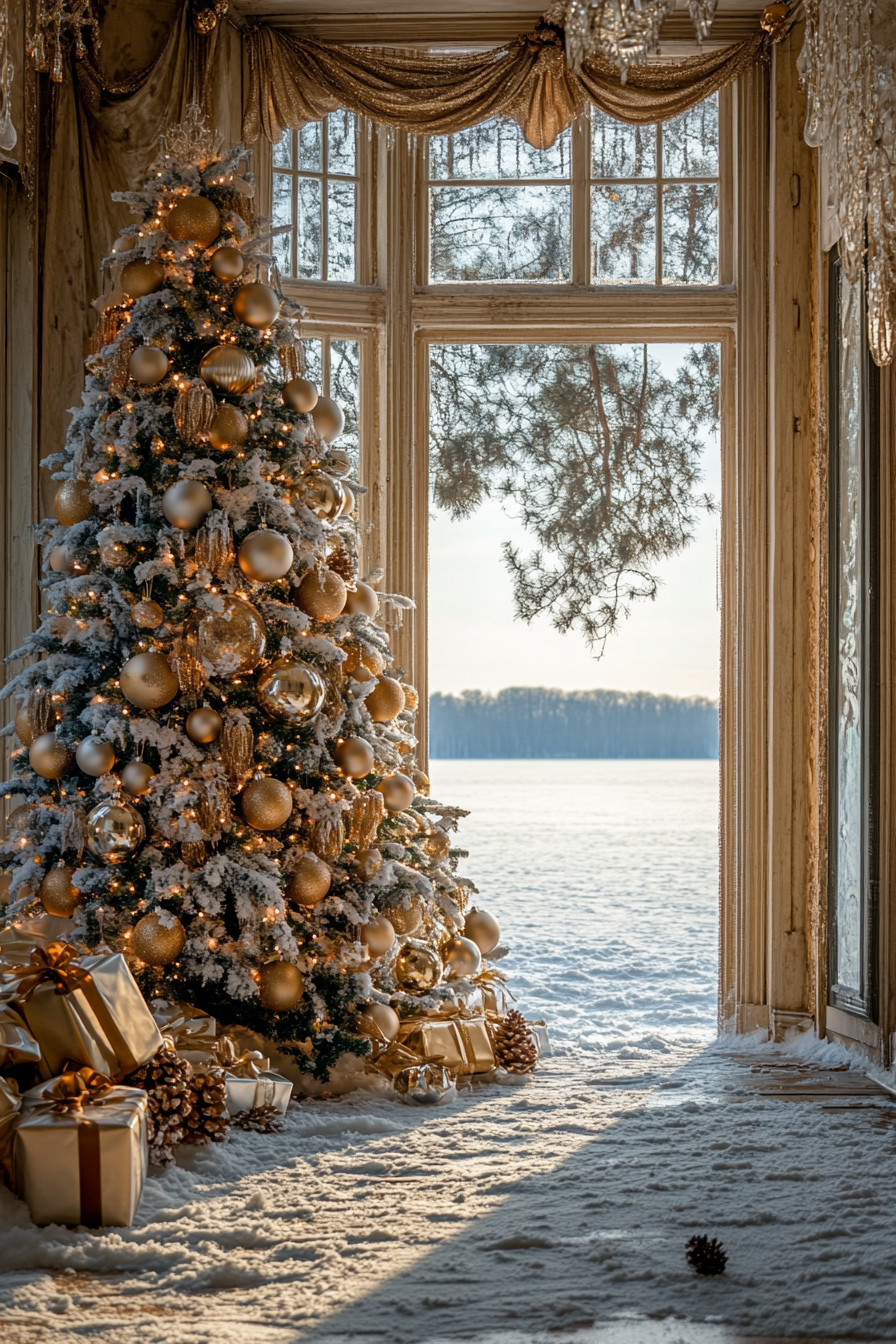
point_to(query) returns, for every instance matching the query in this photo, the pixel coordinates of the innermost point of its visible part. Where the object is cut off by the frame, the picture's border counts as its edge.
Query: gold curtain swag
(293, 80)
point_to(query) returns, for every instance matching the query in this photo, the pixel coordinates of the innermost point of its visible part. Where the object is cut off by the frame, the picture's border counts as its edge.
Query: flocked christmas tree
(218, 764)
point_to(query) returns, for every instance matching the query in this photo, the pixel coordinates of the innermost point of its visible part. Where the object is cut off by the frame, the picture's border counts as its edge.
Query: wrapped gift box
(17, 941)
(17, 1045)
(478, 1049)
(268, 1088)
(494, 999)
(10, 1106)
(540, 1031)
(462, 1044)
(192, 1033)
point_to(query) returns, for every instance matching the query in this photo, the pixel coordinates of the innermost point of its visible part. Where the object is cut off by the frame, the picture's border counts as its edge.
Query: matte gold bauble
(418, 967)
(146, 614)
(24, 726)
(407, 921)
(148, 365)
(95, 756)
(482, 929)
(114, 554)
(363, 601)
(266, 804)
(437, 844)
(329, 419)
(204, 725)
(279, 986)
(265, 555)
(367, 863)
(322, 594)
(291, 691)
(324, 495)
(71, 503)
(115, 831)
(377, 935)
(186, 503)
(148, 680)
(19, 820)
(156, 943)
(60, 561)
(230, 428)
(354, 757)
(195, 219)
(300, 395)
(309, 880)
(137, 778)
(411, 698)
(398, 792)
(348, 506)
(462, 958)
(380, 1021)
(140, 278)
(229, 641)
(338, 461)
(256, 305)
(123, 244)
(49, 758)
(421, 782)
(227, 263)
(228, 368)
(385, 700)
(57, 895)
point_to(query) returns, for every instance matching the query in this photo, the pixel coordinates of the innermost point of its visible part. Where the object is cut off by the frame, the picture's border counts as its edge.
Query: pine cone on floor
(166, 1080)
(208, 1120)
(261, 1119)
(706, 1256)
(515, 1048)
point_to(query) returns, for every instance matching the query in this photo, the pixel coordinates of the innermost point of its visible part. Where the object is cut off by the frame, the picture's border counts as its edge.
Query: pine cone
(166, 1081)
(706, 1256)
(208, 1119)
(261, 1119)
(340, 562)
(515, 1048)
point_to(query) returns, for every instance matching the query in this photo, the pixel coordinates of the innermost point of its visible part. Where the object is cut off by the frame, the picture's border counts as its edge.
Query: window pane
(691, 142)
(309, 229)
(623, 235)
(691, 235)
(283, 151)
(341, 130)
(496, 148)
(499, 233)
(341, 231)
(311, 147)
(618, 150)
(313, 365)
(345, 382)
(282, 212)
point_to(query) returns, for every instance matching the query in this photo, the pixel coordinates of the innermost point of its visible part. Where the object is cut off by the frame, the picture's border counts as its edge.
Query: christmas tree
(217, 760)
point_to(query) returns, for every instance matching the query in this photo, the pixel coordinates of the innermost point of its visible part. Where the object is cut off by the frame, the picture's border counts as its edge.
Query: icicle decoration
(214, 544)
(237, 746)
(367, 811)
(194, 411)
(187, 667)
(625, 32)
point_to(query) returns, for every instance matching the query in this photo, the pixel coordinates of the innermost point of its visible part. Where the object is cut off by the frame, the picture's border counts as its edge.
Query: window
(334, 365)
(315, 194)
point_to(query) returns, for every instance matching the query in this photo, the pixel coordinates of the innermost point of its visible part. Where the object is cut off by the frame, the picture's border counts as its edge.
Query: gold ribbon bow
(76, 1088)
(250, 1064)
(184, 1027)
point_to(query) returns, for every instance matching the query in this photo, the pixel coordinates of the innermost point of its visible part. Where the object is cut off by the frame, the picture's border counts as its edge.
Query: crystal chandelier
(625, 32)
(55, 23)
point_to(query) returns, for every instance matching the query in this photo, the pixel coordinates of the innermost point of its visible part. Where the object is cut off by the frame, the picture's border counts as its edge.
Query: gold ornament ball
(773, 17)
(148, 365)
(418, 967)
(329, 419)
(462, 958)
(322, 594)
(60, 561)
(140, 278)
(227, 263)
(19, 820)
(49, 758)
(137, 778)
(367, 863)
(280, 986)
(256, 305)
(398, 792)
(482, 929)
(437, 844)
(204, 725)
(380, 1021)
(123, 244)
(421, 782)
(186, 504)
(309, 881)
(377, 935)
(354, 757)
(349, 504)
(338, 461)
(324, 495)
(195, 219)
(148, 680)
(57, 894)
(114, 554)
(385, 700)
(291, 691)
(266, 804)
(230, 641)
(155, 943)
(230, 428)
(300, 395)
(228, 368)
(411, 698)
(265, 555)
(24, 727)
(407, 921)
(363, 601)
(94, 756)
(71, 503)
(146, 614)
(115, 831)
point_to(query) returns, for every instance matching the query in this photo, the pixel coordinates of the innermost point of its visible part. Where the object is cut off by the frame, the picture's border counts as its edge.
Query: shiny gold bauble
(195, 219)
(380, 1021)
(329, 419)
(482, 929)
(363, 601)
(256, 305)
(227, 263)
(773, 17)
(186, 504)
(49, 758)
(398, 792)
(404, 748)
(321, 594)
(95, 756)
(24, 726)
(309, 880)
(418, 967)
(137, 778)
(407, 922)
(57, 895)
(280, 986)
(229, 641)
(367, 863)
(123, 244)
(385, 700)
(437, 844)
(377, 935)
(291, 691)
(349, 503)
(140, 278)
(411, 698)
(71, 503)
(19, 820)
(155, 943)
(114, 554)
(265, 555)
(148, 680)
(338, 461)
(462, 958)
(421, 782)
(324, 495)
(228, 368)
(354, 757)
(146, 614)
(360, 663)
(300, 395)
(148, 365)
(230, 428)
(204, 725)
(115, 831)
(60, 561)
(266, 804)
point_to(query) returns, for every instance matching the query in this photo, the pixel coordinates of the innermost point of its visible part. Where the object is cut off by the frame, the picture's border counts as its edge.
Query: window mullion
(324, 199)
(659, 203)
(580, 241)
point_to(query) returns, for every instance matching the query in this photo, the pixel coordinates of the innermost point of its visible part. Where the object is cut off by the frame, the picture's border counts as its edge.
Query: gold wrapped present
(461, 1044)
(478, 1049)
(17, 1045)
(249, 1080)
(10, 1106)
(192, 1034)
(80, 1151)
(18, 940)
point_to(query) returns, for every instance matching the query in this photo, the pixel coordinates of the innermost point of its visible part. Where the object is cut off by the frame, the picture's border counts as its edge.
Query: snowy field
(519, 1211)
